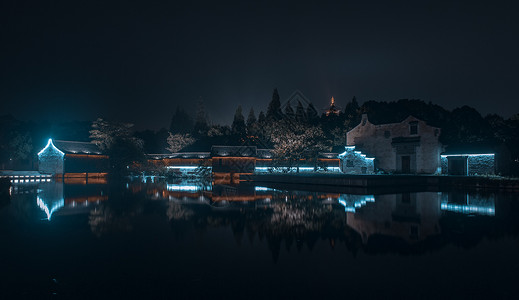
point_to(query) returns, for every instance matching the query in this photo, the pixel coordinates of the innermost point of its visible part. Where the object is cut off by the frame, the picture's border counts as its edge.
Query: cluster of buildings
(408, 147)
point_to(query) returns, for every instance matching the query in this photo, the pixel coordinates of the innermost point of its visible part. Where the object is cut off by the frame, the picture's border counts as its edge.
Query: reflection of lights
(49, 211)
(293, 169)
(468, 209)
(263, 189)
(185, 187)
(353, 202)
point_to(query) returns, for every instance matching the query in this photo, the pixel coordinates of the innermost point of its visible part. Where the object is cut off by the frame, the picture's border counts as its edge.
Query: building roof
(245, 151)
(409, 118)
(199, 155)
(73, 147)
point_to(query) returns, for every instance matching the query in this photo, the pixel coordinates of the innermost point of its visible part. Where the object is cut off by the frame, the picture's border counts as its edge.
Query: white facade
(410, 147)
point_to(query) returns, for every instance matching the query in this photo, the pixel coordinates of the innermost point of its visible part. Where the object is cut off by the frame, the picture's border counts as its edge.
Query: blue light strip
(356, 203)
(486, 154)
(264, 169)
(182, 167)
(263, 189)
(468, 209)
(50, 144)
(186, 188)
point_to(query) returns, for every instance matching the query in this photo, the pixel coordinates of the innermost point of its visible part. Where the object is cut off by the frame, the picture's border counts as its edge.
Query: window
(349, 163)
(387, 134)
(413, 128)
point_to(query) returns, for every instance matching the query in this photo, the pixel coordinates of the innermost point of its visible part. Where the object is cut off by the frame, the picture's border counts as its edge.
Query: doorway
(406, 164)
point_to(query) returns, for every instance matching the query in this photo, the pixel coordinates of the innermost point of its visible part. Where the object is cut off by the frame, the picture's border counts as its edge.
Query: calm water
(188, 240)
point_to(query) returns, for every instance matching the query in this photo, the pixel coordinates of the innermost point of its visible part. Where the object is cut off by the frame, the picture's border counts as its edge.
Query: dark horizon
(136, 62)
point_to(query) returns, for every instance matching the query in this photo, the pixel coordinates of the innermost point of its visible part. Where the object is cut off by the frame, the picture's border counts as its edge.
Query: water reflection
(69, 197)
(469, 203)
(190, 236)
(275, 215)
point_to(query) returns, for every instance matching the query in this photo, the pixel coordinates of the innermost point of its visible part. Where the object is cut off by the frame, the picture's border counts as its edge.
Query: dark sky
(136, 61)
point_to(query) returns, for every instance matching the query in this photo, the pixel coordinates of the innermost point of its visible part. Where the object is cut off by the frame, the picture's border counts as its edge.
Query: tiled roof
(72, 147)
(246, 151)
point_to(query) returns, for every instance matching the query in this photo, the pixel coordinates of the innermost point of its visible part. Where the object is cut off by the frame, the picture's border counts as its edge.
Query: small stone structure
(354, 162)
(468, 164)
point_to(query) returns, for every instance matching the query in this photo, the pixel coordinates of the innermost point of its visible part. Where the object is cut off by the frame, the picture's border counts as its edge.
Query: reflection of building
(410, 216)
(461, 202)
(410, 146)
(56, 198)
(72, 159)
(50, 198)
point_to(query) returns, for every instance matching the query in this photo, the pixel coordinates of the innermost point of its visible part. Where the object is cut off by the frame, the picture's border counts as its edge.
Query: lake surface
(193, 240)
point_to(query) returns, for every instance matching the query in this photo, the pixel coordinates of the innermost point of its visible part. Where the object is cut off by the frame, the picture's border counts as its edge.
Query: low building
(468, 163)
(230, 163)
(72, 159)
(355, 162)
(410, 146)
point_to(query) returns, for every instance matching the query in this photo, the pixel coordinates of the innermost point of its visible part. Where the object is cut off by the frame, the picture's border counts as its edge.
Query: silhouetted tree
(201, 126)
(289, 111)
(351, 114)
(238, 127)
(181, 122)
(122, 153)
(311, 114)
(252, 123)
(118, 141)
(261, 118)
(274, 108)
(300, 112)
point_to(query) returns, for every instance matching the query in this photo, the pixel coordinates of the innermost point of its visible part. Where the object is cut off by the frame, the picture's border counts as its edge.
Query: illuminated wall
(51, 159)
(475, 164)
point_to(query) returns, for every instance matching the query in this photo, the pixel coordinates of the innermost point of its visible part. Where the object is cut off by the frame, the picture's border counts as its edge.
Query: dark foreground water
(186, 240)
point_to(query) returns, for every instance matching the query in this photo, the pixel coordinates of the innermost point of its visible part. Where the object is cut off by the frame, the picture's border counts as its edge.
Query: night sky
(136, 61)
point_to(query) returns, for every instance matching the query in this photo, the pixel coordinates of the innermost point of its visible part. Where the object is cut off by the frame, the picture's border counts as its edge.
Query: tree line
(292, 130)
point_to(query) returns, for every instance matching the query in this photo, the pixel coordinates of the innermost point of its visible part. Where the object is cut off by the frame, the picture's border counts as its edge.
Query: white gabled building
(408, 147)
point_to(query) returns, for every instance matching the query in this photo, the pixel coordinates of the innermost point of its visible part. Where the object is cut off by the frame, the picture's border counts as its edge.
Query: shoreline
(390, 182)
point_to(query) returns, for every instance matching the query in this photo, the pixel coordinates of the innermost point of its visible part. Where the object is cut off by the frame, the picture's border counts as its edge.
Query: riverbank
(390, 182)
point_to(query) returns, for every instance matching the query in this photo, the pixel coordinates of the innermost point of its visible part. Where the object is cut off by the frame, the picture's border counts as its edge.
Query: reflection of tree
(118, 214)
(102, 220)
(177, 211)
(299, 221)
